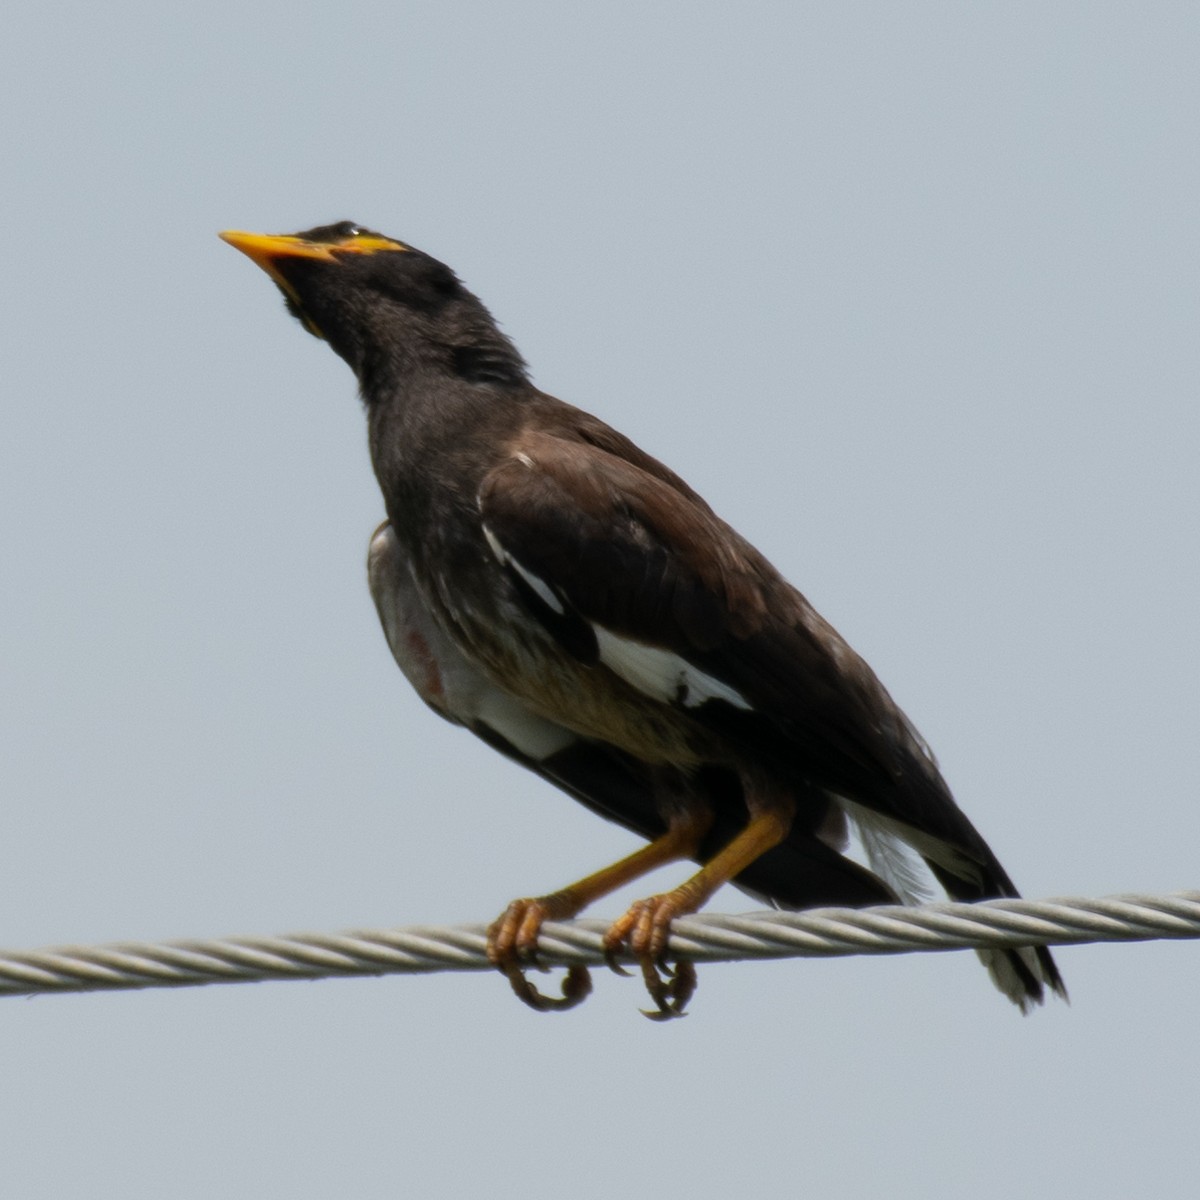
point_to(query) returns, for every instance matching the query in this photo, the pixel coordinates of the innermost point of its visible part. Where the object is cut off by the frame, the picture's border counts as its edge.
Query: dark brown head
(384, 306)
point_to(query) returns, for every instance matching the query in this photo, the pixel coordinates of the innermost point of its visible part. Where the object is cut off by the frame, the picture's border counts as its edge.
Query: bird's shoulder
(633, 544)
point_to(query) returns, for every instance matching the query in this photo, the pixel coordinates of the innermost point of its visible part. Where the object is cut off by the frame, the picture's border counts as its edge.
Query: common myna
(570, 600)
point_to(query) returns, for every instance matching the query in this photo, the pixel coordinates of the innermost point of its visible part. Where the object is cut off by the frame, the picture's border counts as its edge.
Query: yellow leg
(512, 938)
(645, 928)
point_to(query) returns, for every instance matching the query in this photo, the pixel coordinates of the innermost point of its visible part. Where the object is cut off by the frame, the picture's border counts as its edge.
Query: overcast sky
(907, 291)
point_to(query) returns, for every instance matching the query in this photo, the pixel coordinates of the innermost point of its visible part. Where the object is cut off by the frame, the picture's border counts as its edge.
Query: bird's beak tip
(253, 244)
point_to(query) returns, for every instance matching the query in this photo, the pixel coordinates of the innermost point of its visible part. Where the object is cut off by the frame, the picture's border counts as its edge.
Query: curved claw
(576, 987)
(645, 929)
(672, 993)
(512, 943)
(610, 960)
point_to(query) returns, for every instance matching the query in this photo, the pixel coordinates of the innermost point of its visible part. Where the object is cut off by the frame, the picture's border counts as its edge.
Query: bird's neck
(459, 343)
(432, 433)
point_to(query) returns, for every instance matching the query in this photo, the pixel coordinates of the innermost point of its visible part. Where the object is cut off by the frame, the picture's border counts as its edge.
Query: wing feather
(640, 558)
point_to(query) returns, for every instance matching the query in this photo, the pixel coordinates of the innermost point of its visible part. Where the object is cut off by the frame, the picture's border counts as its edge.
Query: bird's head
(381, 303)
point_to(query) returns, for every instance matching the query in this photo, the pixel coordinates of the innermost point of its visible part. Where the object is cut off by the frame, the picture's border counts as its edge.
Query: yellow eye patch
(369, 243)
(263, 247)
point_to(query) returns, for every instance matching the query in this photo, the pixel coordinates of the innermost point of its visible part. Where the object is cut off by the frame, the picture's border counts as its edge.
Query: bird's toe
(643, 932)
(512, 941)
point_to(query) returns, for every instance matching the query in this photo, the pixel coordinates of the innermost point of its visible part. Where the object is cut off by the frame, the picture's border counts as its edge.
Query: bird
(566, 597)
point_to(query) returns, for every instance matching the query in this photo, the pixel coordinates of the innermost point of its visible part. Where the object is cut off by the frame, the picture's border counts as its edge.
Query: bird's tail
(1023, 973)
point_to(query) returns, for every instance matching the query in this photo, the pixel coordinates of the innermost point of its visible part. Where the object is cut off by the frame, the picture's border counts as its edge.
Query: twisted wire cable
(420, 949)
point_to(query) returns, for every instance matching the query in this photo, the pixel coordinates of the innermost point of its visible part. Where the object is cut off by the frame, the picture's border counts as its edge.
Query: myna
(574, 603)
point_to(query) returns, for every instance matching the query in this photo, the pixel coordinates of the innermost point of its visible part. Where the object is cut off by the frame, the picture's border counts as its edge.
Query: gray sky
(908, 291)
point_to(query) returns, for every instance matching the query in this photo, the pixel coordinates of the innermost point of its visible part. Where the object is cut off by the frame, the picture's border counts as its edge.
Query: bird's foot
(512, 948)
(643, 932)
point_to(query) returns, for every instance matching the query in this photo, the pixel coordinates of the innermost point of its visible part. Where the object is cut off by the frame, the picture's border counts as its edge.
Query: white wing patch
(540, 587)
(660, 674)
(656, 673)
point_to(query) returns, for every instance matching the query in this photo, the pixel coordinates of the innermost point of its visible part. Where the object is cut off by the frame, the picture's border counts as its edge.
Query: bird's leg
(512, 938)
(644, 930)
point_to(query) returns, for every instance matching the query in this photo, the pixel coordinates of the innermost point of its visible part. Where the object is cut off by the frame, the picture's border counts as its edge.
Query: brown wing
(650, 570)
(650, 582)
